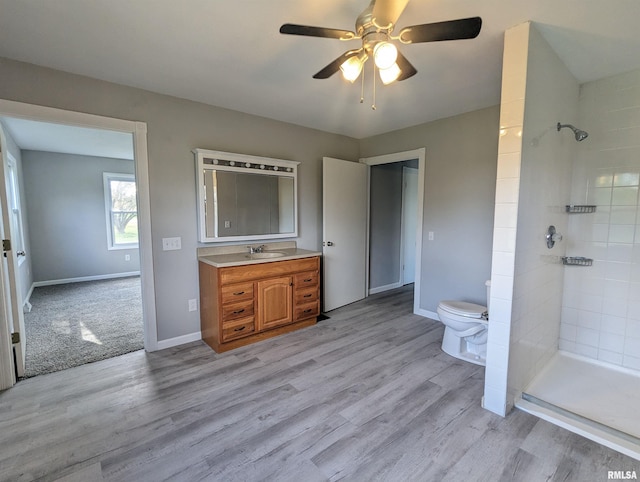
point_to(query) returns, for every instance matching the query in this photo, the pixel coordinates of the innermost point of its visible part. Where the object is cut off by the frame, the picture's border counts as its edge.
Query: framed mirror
(245, 198)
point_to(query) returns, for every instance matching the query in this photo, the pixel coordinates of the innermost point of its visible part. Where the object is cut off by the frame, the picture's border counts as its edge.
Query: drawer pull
(238, 293)
(239, 329)
(308, 310)
(308, 296)
(308, 280)
(237, 312)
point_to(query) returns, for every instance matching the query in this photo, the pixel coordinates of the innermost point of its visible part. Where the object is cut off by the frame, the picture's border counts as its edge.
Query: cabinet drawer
(307, 310)
(237, 310)
(237, 292)
(236, 274)
(238, 328)
(304, 280)
(308, 295)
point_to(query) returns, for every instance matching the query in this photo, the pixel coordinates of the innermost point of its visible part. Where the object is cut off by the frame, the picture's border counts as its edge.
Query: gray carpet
(77, 323)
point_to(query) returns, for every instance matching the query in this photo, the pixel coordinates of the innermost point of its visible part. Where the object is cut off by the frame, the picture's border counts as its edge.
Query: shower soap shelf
(576, 261)
(580, 208)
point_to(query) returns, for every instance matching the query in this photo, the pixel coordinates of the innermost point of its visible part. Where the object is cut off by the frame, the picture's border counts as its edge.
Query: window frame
(107, 177)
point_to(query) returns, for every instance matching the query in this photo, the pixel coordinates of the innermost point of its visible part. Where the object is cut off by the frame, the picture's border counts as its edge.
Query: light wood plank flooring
(365, 395)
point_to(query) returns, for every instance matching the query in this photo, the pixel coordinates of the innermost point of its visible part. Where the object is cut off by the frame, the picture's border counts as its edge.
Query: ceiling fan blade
(387, 12)
(463, 28)
(406, 69)
(293, 29)
(334, 66)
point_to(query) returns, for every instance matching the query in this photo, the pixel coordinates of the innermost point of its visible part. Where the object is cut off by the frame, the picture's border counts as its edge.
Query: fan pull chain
(373, 104)
(362, 88)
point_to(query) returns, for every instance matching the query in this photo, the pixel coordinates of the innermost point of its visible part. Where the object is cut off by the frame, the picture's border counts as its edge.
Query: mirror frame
(229, 161)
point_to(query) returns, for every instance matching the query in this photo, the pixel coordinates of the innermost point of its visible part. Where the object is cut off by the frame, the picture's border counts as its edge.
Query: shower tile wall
(533, 185)
(601, 305)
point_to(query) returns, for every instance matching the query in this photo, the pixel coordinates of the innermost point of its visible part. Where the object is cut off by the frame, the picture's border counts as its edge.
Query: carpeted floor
(77, 323)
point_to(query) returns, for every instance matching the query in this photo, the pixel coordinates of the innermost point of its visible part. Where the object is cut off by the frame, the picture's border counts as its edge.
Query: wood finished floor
(365, 395)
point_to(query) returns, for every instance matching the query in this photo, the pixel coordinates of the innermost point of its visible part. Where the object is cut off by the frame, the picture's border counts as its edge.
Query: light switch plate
(171, 244)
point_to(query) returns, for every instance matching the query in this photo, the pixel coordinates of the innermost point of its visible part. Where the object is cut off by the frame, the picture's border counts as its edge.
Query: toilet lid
(463, 308)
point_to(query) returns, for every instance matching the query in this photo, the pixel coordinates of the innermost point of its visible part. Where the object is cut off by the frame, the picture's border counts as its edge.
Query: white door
(13, 298)
(409, 223)
(344, 229)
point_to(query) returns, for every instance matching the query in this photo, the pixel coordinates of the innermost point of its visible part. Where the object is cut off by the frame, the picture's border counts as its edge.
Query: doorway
(136, 134)
(392, 225)
(390, 240)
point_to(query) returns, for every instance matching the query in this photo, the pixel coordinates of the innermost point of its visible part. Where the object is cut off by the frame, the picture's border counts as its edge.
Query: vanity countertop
(239, 255)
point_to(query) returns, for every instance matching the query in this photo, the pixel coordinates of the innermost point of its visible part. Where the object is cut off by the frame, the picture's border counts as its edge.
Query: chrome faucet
(256, 249)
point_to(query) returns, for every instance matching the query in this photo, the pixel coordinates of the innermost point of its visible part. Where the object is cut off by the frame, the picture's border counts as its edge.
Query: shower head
(580, 135)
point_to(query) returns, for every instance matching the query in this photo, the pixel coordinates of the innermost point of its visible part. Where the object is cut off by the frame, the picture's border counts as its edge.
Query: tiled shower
(552, 326)
(601, 304)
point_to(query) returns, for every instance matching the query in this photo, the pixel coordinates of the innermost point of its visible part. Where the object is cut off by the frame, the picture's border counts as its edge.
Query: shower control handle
(552, 237)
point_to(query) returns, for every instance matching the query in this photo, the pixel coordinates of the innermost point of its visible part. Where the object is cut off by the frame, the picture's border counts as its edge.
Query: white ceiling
(230, 54)
(43, 136)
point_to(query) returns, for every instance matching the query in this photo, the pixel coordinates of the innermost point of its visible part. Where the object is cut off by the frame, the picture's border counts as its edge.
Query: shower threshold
(595, 400)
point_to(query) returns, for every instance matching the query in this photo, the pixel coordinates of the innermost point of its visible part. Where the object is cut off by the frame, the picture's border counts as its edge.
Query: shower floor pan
(595, 400)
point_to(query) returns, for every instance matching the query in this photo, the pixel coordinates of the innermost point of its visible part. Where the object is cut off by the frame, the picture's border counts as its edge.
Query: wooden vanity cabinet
(240, 305)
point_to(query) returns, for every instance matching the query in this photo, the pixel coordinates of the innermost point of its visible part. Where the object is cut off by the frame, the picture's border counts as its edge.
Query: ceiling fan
(374, 26)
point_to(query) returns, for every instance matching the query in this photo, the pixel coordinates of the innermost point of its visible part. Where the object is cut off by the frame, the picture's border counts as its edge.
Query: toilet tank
(488, 285)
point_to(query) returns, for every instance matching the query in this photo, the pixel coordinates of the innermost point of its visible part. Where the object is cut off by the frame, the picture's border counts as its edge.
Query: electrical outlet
(171, 244)
(193, 305)
(127, 257)
(430, 235)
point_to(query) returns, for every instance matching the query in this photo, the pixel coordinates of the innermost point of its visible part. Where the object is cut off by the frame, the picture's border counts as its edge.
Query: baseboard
(83, 278)
(178, 340)
(427, 314)
(26, 302)
(380, 289)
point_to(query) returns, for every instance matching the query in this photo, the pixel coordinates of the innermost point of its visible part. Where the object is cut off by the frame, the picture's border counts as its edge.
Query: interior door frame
(419, 154)
(138, 130)
(403, 227)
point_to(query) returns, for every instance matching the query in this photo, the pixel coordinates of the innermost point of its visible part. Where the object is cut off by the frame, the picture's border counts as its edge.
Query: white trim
(380, 289)
(179, 340)
(81, 279)
(138, 130)
(419, 154)
(27, 297)
(427, 314)
(7, 350)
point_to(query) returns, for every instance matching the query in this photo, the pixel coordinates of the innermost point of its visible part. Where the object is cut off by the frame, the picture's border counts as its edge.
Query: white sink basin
(265, 255)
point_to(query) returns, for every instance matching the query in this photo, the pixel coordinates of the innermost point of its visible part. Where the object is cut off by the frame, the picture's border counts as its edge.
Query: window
(16, 213)
(121, 210)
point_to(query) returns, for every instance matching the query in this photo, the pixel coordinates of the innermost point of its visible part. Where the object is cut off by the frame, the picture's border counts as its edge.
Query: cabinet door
(275, 302)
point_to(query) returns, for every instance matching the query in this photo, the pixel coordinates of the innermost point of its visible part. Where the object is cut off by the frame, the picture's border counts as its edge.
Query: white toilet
(466, 329)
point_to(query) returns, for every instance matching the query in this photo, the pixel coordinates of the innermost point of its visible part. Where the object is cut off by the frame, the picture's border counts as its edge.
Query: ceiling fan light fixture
(390, 74)
(385, 55)
(352, 67)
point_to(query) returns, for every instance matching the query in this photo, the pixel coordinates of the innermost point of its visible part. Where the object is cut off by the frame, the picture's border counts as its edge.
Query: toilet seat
(463, 308)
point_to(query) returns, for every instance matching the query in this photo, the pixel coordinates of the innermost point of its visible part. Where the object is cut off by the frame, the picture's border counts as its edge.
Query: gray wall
(385, 224)
(460, 178)
(67, 224)
(25, 271)
(176, 126)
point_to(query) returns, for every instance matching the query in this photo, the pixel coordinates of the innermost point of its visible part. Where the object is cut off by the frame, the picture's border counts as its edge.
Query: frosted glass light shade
(351, 68)
(390, 74)
(385, 55)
